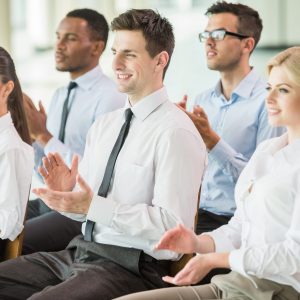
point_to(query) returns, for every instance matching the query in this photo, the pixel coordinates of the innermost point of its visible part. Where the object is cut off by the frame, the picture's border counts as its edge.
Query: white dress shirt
(95, 94)
(16, 165)
(156, 177)
(264, 234)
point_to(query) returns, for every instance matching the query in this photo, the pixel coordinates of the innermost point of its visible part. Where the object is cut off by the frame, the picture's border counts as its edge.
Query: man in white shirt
(81, 40)
(152, 185)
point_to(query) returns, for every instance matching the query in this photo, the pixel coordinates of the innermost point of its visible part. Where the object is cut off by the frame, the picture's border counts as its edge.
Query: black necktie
(104, 187)
(65, 112)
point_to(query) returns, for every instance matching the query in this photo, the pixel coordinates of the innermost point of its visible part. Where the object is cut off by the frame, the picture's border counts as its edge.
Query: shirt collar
(148, 104)
(244, 88)
(5, 122)
(289, 151)
(87, 80)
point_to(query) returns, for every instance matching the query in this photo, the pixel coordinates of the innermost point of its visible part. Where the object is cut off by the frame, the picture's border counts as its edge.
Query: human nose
(117, 62)
(271, 96)
(210, 41)
(60, 44)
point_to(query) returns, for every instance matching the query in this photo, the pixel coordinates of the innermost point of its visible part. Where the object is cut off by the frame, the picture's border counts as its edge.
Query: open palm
(57, 175)
(179, 239)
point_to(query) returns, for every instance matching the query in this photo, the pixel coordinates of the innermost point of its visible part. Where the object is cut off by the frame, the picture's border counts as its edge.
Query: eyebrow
(280, 84)
(125, 50)
(67, 33)
(222, 28)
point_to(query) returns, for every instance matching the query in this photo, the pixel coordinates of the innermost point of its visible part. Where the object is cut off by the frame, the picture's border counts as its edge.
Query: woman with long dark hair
(16, 154)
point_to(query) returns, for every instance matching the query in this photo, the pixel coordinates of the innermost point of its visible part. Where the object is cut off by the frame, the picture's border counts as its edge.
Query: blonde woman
(16, 154)
(261, 243)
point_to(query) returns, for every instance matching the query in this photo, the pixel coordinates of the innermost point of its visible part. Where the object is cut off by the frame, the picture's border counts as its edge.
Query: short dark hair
(249, 21)
(96, 22)
(157, 31)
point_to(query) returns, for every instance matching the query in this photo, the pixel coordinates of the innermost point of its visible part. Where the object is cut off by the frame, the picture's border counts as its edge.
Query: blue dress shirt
(96, 94)
(242, 123)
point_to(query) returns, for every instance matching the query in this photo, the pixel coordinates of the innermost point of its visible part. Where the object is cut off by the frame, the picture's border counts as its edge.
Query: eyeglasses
(219, 35)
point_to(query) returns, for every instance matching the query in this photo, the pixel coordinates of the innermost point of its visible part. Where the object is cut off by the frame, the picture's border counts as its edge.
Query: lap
(104, 281)
(25, 275)
(203, 292)
(77, 274)
(49, 232)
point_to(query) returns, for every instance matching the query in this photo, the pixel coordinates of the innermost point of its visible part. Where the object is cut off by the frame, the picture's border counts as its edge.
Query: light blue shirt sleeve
(241, 123)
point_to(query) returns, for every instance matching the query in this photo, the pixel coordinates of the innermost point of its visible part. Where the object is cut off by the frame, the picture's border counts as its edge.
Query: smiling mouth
(273, 111)
(123, 76)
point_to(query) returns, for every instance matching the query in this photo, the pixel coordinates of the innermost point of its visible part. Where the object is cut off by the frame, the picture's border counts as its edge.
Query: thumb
(83, 185)
(185, 98)
(42, 109)
(74, 166)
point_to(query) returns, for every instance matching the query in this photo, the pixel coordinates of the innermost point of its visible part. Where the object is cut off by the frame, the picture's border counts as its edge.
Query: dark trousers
(84, 270)
(207, 222)
(47, 230)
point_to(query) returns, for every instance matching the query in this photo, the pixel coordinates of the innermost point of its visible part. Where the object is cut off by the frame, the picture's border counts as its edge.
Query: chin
(275, 123)
(62, 68)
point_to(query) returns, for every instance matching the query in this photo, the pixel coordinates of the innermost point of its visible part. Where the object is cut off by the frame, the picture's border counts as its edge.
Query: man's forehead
(72, 25)
(125, 40)
(222, 20)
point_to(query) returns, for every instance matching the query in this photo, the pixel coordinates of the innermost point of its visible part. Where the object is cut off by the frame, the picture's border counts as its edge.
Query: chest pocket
(133, 183)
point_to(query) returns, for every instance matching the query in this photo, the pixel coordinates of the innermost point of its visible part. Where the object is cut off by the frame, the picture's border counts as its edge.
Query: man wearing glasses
(231, 117)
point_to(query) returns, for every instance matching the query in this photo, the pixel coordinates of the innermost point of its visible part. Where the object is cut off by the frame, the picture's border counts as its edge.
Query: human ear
(162, 60)
(8, 88)
(98, 47)
(249, 44)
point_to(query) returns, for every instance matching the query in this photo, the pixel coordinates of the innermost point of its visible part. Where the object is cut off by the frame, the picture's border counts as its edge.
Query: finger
(52, 160)
(199, 111)
(46, 164)
(59, 159)
(74, 166)
(83, 185)
(43, 172)
(183, 102)
(51, 198)
(41, 107)
(182, 275)
(168, 279)
(167, 241)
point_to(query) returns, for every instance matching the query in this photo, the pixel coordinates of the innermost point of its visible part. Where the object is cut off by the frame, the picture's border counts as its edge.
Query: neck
(293, 133)
(77, 73)
(3, 111)
(134, 98)
(231, 79)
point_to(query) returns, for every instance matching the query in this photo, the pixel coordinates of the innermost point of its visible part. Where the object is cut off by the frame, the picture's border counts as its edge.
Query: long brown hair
(15, 99)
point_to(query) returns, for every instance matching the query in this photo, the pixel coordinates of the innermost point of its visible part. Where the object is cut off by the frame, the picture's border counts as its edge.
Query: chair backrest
(176, 266)
(12, 249)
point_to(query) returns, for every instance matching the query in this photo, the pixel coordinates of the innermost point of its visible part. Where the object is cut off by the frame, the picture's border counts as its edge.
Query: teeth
(123, 76)
(273, 110)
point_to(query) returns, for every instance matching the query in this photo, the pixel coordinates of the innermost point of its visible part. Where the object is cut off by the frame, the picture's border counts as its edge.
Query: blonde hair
(290, 60)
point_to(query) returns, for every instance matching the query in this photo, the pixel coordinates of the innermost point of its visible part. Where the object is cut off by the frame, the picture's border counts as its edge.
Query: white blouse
(264, 234)
(16, 165)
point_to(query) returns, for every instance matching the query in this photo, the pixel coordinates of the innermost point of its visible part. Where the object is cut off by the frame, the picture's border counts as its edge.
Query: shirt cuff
(53, 145)
(236, 261)
(221, 151)
(222, 243)
(101, 210)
